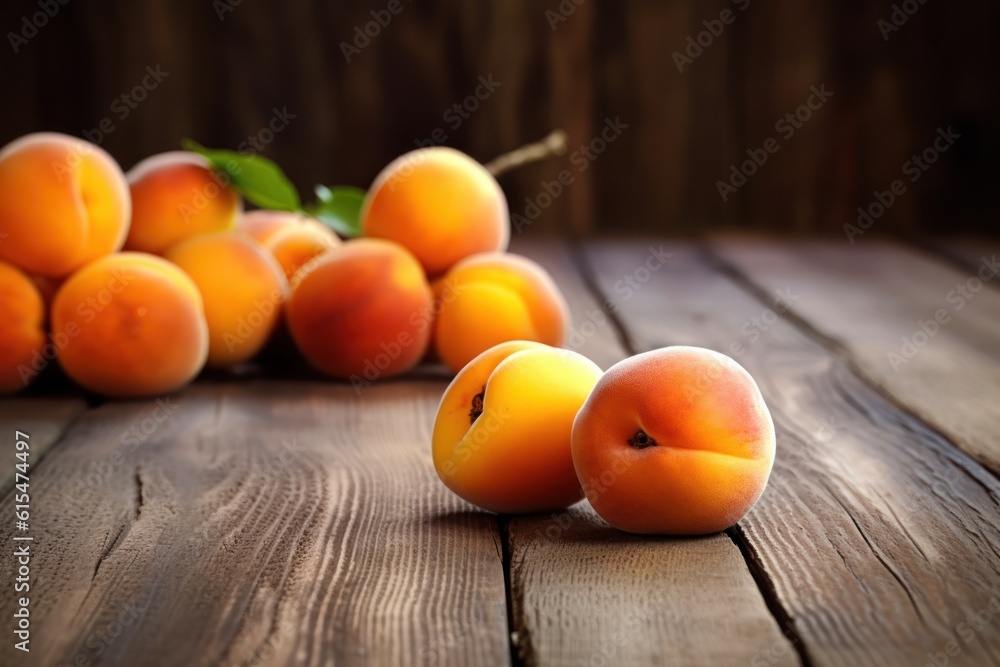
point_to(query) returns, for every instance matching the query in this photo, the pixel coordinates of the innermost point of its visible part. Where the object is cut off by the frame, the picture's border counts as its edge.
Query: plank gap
(770, 593)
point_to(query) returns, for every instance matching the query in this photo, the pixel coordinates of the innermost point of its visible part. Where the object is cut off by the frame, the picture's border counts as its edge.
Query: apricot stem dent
(554, 144)
(477, 406)
(641, 440)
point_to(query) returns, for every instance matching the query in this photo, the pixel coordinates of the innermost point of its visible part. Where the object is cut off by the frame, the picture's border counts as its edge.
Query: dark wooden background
(607, 59)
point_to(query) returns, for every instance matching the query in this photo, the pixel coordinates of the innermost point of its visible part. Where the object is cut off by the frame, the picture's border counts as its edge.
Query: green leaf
(255, 177)
(339, 208)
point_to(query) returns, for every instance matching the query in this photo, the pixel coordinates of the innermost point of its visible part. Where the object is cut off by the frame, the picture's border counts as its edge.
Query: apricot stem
(477, 406)
(641, 440)
(554, 144)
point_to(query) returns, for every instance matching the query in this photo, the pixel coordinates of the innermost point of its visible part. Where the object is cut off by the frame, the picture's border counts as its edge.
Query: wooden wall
(232, 61)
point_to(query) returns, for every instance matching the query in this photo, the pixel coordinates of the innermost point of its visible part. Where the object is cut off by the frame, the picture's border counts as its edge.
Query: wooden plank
(584, 593)
(872, 298)
(43, 419)
(266, 524)
(875, 535)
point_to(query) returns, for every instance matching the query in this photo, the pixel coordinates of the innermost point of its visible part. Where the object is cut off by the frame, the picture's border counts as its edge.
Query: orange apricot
(674, 441)
(501, 438)
(175, 197)
(496, 297)
(243, 288)
(439, 203)
(22, 334)
(131, 324)
(260, 224)
(296, 244)
(63, 203)
(362, 312)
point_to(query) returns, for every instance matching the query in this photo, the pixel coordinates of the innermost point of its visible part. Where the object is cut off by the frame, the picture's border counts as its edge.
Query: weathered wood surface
(924, 330)
(586, 594)
(877, 537)
(293, 522)
(267, 524)
(43, 419)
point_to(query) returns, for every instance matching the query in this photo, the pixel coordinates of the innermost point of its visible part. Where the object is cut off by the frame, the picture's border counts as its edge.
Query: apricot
(175, 197)
(260, 224)
(362, 312)
(63, 203)
(243, 288)
(22, 328)
(439, 203)
(296, 244)
(493, 298)
(130, 324)
(501, 438)
(674, 441)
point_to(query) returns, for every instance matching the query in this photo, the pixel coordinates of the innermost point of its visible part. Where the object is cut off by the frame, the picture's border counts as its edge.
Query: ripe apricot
(296, 244)
(260, 224)
(22, 327)
(243, 288)
(439, 203)
(362, 312)
(63, 203)
(493, 298)
(131, 324)
(675, 441)
(502, 434)
(175, 197)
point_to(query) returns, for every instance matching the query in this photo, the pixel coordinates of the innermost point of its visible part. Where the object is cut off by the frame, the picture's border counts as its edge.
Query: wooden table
(266, 522)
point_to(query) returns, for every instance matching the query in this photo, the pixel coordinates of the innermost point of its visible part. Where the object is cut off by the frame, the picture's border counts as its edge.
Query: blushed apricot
(493, 298)
(361, 312)
(22, 331)
(296, 244)
(502, 434)
(260, 224)
(675, 441)
(243, 289)
(439, 203)
(131, 324)
(63, 203)
(175, 197)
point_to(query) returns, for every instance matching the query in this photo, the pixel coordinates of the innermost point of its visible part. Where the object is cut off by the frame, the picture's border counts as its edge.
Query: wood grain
(584, 593)
(43, 419)
(265, 524)
(872, 298)
(876, 536)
